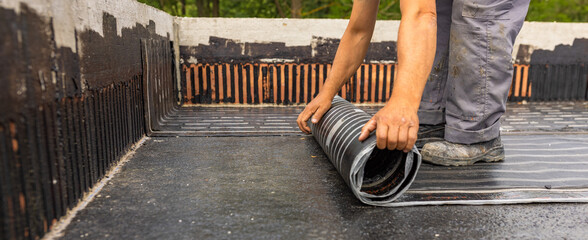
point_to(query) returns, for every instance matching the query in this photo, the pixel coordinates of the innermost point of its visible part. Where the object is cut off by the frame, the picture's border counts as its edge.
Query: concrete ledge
(301, 32)
(71, 16)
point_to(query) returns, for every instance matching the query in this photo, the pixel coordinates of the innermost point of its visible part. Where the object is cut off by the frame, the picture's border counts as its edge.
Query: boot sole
(495, 154)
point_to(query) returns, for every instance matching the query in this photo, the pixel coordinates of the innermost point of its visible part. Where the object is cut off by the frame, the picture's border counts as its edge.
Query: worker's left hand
(396, 127)
(315, 109)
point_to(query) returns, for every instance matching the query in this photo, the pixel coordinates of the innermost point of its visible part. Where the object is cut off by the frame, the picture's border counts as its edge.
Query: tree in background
(187, 8)
(539, 10)
(558, 11)
(206, 8)
(389, 9)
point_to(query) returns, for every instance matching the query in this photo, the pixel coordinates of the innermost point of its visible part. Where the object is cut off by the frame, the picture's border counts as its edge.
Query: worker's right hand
(396, 126)
(315, 109)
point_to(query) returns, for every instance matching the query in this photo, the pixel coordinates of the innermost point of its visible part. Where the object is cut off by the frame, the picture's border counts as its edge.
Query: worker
(454, 73)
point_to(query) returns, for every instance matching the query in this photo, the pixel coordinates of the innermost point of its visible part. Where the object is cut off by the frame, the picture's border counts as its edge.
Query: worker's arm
(350, 53)
(397, 123)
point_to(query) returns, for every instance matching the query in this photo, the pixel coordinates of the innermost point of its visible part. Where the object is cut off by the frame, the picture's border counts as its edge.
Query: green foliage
(558, 10)
(172, 7)
(539, 10)
(389, 9)
(241, 9)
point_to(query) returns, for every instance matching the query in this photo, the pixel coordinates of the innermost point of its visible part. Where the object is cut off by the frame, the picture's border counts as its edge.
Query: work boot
(454, 154)
(429, 133)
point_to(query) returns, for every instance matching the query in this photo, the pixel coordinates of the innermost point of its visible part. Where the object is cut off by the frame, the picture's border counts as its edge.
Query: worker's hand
(316, 108)
(396, 127)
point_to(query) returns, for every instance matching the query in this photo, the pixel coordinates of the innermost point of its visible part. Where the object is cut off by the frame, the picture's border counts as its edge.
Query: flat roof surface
(227, 120)
(269, 187)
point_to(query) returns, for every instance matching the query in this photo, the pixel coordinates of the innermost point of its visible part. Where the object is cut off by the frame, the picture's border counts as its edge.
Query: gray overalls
(472, 72)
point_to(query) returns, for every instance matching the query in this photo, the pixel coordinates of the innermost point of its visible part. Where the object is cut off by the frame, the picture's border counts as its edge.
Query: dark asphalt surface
(283, 188)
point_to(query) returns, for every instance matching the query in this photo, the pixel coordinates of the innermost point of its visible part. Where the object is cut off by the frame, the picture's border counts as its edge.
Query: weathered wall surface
(72, 72)
(274, 40)
(547, 36)
(284, 61)
(71, 16)
(276, 61)
(552, 61)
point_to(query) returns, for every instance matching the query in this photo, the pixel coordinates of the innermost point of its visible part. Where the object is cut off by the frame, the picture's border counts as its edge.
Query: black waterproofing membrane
(376, 177)
(537, 169)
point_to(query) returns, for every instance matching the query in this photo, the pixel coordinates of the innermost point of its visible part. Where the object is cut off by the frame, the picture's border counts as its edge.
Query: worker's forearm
(350, 54)
(353, 46)
(416, 51)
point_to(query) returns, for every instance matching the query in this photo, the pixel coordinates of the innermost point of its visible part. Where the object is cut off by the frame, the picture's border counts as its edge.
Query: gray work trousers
(472, 72)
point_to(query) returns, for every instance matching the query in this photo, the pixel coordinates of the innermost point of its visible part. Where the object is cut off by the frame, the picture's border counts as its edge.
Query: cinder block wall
(72, 73)
(285, 61)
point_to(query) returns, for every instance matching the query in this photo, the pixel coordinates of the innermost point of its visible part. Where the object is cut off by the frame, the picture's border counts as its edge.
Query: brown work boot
(430, 133)
(454, 154)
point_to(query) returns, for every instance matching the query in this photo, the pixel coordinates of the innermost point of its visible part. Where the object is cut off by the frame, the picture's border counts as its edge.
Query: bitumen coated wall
(285, 61)
(73, 75)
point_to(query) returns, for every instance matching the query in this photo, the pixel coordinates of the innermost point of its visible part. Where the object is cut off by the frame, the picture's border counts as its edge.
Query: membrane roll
(376, 177)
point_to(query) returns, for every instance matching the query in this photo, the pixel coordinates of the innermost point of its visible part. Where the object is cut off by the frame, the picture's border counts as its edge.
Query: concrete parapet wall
(548, 36)
(558, 51)
(69, 17)
(308, 33)
(274, 40)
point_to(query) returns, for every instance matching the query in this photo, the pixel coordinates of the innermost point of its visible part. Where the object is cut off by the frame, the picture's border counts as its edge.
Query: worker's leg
(432, 107)
(479, 77)
(480, 66)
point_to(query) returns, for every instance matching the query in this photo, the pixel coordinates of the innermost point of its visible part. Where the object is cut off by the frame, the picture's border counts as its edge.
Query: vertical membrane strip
(70, 142)
(158, 81)
(376, 177)
(57, 140)
(277, 83)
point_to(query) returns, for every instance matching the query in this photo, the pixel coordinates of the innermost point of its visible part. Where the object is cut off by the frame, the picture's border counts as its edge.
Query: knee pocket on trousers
(466, 89)
(487, 9)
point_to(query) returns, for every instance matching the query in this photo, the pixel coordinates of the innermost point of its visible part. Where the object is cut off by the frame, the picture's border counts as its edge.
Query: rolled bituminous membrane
(376, 177)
